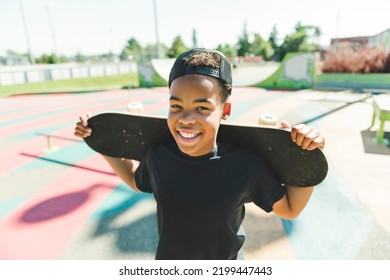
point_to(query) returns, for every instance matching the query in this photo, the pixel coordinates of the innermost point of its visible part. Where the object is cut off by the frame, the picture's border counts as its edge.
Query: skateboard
(129, 136)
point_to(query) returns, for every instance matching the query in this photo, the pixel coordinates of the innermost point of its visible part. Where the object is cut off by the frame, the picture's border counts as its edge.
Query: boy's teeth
(188, 135)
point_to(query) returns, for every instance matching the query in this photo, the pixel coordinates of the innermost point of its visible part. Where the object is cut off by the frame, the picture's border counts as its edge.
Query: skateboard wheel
(267, 119)
(135, 107)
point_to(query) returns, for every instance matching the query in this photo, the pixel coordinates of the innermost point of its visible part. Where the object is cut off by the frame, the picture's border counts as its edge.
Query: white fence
(13, 75)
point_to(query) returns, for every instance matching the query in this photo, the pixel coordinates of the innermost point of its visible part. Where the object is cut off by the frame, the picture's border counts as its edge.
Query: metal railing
(13, 75)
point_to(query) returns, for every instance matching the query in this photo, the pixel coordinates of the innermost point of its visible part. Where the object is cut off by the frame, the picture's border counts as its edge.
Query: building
(352, 42)
(381, 39)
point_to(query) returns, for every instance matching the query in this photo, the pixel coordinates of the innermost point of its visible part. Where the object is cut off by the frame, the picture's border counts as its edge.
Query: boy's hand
(305, 136)
(82, 130)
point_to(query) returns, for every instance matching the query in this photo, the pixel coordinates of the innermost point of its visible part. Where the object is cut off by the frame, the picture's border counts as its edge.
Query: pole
(159, 53)
(337, 28)
(53, 34)
(30, 56)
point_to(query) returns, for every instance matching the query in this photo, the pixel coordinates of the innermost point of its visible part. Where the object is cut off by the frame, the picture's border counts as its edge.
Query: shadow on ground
(371, 146)
(141, 236)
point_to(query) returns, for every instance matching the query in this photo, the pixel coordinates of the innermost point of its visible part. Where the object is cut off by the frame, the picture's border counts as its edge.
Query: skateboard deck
(130, 136)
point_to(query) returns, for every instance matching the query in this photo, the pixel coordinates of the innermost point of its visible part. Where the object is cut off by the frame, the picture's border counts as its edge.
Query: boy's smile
(195, 113)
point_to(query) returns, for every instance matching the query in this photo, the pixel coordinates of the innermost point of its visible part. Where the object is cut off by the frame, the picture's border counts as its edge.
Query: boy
(201, 185)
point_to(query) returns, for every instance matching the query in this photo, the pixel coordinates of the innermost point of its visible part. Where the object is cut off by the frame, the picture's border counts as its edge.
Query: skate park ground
(60, 200)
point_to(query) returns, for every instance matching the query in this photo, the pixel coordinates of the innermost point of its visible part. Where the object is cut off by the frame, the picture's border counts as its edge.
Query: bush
(362, 60)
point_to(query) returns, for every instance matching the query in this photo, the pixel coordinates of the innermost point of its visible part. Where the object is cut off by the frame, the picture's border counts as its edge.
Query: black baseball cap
(181, 68)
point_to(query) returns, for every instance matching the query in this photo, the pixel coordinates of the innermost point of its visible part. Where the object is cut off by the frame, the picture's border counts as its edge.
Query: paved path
(66, 203)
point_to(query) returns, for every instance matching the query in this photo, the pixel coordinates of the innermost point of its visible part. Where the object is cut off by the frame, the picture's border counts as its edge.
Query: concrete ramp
(163, 67)
(243, 75)
(296, 71)
(149, 77)
(250, 75)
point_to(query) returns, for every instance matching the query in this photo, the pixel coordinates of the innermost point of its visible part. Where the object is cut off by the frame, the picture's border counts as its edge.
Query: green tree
(133, 45)
(293, 42)
(149, 52)
(80, 57)
(63, 59)
(261, 47)
(47, 59)
(177, 47)
(273, 39)
(124, 55)
(132, 50)
(314, 34)
(304, 39)
(227, 50)
(243, 44)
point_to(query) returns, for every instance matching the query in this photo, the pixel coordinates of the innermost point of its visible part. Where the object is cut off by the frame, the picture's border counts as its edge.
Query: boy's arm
(296, 198)
(124, 168)
(292, 202)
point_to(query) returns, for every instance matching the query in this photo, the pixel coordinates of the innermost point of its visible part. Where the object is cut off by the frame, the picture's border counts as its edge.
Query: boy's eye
(175, 106)
(201, 108)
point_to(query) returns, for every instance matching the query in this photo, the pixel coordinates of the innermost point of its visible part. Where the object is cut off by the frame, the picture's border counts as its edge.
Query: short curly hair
(210, 59)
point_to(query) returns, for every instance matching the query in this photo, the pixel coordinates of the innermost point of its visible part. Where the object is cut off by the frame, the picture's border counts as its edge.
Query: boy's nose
(187, 118)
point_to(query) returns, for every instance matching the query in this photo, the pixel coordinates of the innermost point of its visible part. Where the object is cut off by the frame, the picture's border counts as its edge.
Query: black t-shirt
(200, 200)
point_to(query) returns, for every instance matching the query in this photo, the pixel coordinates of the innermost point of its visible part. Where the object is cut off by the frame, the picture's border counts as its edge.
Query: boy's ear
(227, 108)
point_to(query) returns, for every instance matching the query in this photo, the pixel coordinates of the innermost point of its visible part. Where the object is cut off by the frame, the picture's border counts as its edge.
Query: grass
(383, 78)
(73, 85)
(357, 82)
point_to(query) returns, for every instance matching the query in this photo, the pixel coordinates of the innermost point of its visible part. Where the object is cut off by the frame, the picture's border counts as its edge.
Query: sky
(68, 27)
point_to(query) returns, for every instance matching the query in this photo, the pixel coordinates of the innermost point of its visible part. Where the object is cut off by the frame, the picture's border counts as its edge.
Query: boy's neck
(211, 155)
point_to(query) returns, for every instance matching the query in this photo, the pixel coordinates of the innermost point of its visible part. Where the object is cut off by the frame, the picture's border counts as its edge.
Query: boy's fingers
(309, 139)
(78, 134)
(285, 125)
(82, 127)
(84, 120)
(318, 142)
(82, 131)
(294, 132)
(298, 133)
(81, 134)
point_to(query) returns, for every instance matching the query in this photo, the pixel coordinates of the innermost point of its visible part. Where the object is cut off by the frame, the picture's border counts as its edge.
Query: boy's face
(195, 113)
